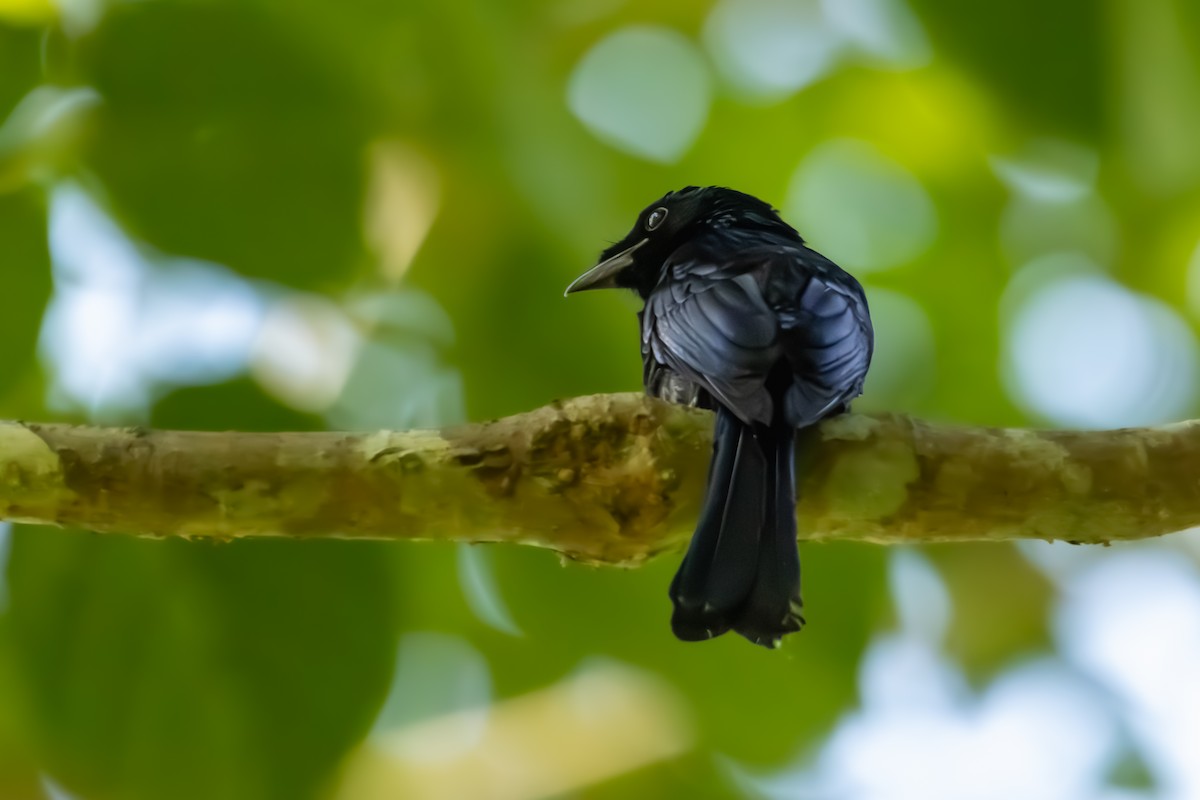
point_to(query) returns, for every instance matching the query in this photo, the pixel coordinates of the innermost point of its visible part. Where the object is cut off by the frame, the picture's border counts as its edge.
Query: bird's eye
(656, 218)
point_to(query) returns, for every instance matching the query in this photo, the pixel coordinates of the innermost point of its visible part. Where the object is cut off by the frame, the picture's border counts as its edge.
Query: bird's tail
(742, 570)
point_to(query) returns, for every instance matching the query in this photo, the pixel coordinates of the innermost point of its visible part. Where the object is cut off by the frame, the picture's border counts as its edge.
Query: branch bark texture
(606, 479)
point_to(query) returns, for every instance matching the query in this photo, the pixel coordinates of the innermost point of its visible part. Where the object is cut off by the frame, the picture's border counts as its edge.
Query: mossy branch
(606, 479)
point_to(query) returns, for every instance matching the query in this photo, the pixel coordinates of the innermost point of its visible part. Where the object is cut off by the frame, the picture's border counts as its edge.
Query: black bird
(741, 317)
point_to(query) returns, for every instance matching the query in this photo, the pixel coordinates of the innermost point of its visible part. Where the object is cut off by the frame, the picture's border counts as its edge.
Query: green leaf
(173, 669)
(751, 704)
(1000, 604)
(18, 770)
(1044, 59)
(24, 283)
(219, 138)
(239, 404)
(20, 64)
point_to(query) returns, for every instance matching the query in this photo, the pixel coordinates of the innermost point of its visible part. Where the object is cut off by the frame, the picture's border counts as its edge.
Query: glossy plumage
(742, 317)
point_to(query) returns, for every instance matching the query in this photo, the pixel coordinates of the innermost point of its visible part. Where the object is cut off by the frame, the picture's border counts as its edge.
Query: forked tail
(742, 569)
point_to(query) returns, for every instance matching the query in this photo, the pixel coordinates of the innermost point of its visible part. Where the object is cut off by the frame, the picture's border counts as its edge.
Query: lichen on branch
(607, 479)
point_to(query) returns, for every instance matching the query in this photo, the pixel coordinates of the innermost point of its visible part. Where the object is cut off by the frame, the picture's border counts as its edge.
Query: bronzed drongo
(741, 317)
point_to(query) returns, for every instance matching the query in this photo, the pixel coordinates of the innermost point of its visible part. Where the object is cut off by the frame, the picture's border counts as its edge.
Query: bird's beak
(604, 274)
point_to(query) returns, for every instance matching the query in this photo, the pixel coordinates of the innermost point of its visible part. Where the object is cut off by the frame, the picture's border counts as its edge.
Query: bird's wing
(710, 326)
(825, 332)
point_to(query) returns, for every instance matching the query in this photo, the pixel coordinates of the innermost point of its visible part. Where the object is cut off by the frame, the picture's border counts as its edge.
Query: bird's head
(637, 261)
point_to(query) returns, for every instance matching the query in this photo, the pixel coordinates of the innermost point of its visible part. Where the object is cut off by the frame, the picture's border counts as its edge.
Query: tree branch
(608, 479)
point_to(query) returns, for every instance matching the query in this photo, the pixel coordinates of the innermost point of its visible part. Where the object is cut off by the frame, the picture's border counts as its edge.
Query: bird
(741, 317)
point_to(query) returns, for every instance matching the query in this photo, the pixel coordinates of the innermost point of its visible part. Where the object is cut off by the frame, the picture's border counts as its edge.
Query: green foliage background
(242, 133)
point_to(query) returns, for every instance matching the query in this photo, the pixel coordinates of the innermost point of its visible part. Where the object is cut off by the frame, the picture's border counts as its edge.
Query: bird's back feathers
(727, 311)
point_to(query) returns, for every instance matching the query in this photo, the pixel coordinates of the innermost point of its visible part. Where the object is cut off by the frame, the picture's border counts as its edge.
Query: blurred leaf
(198, 671)
(753, 705)
(24, 282)
(18, 769)
(27, 12)
(506, 374)
(1130, 771)
(235, 405)
(1000, 604)
(41, 136)
(20, 64)
(1045, 59)
(220, 138)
